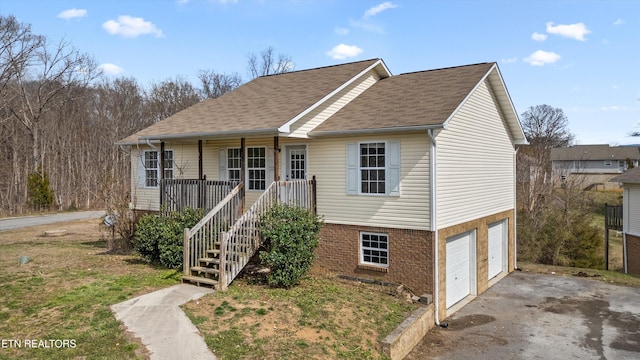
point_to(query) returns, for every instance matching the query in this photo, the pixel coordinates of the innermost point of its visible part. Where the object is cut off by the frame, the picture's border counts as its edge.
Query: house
(630, 219)
(592, 166)
(414, 173)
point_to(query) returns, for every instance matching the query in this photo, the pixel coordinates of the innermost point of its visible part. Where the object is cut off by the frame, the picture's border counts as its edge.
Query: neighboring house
(592, 166)
(630, 219)
(415, 173)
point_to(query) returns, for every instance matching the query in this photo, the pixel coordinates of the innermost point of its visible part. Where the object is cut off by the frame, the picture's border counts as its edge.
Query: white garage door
(460, 267)
(497, 248)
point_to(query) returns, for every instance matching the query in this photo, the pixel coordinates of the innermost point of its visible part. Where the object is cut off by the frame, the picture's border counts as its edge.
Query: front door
(296, 162)
(295, 193)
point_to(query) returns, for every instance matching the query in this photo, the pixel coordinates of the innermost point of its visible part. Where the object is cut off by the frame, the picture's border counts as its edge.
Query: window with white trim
(234, 164)
(374, 249)
(372, 168)
(256, 168)
(607, 163)
(152, 164)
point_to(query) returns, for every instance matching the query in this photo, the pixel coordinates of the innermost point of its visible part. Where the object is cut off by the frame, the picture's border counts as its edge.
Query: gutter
(433, 220)
(394, 129)
(196, 135)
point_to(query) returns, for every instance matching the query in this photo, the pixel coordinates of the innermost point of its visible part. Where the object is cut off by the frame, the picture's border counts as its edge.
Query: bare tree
(47, 80)
(552, 227)
(546, 127)
(268, 63)
(215, 84)
(170, 96)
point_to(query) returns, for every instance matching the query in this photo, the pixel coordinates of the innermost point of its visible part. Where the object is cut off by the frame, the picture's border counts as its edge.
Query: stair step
(202, 269)
(209, 261)
(199, 280)
(213, 252)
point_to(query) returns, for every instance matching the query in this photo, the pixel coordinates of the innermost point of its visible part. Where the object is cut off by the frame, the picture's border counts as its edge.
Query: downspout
(515, 210)
(151, 145)
(624, 252)
(433, 220)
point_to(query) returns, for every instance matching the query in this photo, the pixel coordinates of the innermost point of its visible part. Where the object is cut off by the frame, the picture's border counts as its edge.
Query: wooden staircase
(222, 243)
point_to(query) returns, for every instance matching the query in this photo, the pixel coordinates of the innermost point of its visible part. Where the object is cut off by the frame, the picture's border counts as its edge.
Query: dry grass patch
(321, 318)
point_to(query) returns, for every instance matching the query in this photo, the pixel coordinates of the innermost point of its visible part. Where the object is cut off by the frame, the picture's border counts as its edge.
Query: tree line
(60, 117)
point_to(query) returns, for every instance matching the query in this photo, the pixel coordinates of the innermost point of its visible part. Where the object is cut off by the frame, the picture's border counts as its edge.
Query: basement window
(374, 249)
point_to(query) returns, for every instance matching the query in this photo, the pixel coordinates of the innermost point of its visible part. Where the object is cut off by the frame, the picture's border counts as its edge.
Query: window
(374, 249)
(372, 168)
(151, 167)
(256, 168)
(607, 163)
(234, 164)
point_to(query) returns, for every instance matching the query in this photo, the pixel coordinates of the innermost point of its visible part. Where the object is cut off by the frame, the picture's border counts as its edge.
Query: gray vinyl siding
(475, 162)
(410, 210)
(564, 167)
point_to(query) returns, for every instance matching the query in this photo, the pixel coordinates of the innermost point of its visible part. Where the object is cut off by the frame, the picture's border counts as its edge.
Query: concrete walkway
(162, 326)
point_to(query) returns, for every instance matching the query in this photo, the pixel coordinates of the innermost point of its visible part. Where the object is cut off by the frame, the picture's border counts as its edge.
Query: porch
(218, 247)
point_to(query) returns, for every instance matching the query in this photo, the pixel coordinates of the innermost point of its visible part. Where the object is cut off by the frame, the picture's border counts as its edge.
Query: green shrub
(291, 235)
(39, 190)
(159, 240)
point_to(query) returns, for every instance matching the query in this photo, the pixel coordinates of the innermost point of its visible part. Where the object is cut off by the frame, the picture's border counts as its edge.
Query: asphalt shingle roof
(262, 104)
(413, 99)
(595, 152)
(630, 176)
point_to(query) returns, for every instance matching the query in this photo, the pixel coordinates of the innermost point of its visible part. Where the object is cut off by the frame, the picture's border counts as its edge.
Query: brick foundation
(633, 254)
(410, 256)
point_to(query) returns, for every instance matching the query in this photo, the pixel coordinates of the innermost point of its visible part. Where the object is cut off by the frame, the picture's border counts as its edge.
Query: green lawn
(59, 301)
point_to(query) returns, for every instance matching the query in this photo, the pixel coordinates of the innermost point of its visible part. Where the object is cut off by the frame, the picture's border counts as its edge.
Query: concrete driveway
(534, 316)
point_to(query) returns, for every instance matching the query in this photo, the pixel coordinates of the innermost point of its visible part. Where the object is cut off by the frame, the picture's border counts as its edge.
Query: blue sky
(580, 56)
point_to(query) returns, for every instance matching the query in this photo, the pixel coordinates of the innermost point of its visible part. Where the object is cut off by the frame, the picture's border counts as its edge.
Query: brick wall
(633, 254)
(410, 256)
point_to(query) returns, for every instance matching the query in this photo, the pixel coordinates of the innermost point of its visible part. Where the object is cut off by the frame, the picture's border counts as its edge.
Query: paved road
(26, 221)
(534, 316)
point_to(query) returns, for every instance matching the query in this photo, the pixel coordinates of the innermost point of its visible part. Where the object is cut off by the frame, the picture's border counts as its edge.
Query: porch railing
(205, 235)
(177, 194)
(244, 238)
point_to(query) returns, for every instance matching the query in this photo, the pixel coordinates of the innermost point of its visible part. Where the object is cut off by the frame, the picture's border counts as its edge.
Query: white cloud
(72, 14)
(541, 58)
(538, 37)
(128, 26)
(111, 69)
(510, 60)
(619, 22)
(573, 31)
(343, 51)
(341, 31)
(379, 8)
